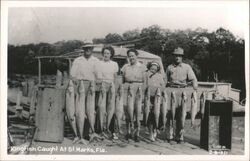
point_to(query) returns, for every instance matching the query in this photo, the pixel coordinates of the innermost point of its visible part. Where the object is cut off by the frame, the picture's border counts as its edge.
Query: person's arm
(123, 70)
(192, 78)
(144, 75)
(73, 71)
(163, 82)
(116, 70)
(167, 76)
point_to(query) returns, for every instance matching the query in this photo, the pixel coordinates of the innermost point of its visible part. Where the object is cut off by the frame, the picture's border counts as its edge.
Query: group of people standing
(178, 75)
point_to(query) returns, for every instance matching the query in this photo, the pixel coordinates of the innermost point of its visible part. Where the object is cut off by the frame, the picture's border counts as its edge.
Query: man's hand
(177, 82)
(195, 85)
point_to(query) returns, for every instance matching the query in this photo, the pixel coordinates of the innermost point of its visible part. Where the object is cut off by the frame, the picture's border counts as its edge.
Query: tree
(131, 34)
(112, 38)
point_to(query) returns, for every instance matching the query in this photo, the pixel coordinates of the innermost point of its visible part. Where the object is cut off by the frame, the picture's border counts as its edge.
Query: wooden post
(39, 71)
(70, 64)
(58, 78)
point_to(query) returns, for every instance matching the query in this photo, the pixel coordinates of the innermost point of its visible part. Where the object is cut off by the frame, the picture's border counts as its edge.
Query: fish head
(112, 88)
(165, 95)
(81, 87)
(102, 88)
(120, 90)
(130, 93)
(184, 96)
(203, 95)
(148, 92)
(173, 96)
(194, 96)
(139, 91)
(158, 92)
(92, 87)
(70, 86)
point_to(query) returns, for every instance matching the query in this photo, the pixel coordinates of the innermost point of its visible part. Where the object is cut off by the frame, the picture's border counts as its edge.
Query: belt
(133, 82)
(177, 86)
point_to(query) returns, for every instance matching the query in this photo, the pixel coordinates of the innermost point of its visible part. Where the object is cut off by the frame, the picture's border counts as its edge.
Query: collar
(91, 57)
(136, 64)
(180, 65)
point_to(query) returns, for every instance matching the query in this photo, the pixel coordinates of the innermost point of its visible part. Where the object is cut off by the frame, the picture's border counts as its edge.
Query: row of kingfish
(80, 105)
(161, 106)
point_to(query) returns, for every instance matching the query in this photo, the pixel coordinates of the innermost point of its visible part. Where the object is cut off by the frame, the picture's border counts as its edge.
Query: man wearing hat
(84, 67)
(179, 75)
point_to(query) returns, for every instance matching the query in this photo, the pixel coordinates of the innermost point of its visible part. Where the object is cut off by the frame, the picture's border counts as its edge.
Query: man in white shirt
(84, 67)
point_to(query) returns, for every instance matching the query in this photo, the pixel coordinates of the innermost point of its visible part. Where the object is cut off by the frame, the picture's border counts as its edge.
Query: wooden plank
(25, 114)
(50, 115)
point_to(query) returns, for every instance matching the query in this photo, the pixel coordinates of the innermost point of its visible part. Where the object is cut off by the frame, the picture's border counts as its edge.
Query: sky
(52, 24)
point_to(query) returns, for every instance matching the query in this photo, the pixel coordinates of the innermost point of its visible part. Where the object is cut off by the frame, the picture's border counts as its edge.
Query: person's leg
(172, 127)
(112, 128)
(150, 125)
(86, 129)
(179, 130)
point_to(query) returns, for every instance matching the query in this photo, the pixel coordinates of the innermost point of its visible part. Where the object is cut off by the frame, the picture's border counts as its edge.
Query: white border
(3, 67)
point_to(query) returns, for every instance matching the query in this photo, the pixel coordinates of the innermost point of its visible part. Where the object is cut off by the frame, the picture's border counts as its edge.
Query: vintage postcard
(124, 80)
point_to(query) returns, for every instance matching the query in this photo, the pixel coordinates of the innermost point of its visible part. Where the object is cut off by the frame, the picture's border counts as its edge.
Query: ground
(145, 146)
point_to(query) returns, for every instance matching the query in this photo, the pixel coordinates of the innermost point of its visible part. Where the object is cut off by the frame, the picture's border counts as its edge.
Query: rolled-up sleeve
(96, 66)
(191, 75)
(116, 68)
(168, 74)
(73, 71)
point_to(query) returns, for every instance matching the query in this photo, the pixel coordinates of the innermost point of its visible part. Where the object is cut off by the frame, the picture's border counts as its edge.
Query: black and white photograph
(125, 80)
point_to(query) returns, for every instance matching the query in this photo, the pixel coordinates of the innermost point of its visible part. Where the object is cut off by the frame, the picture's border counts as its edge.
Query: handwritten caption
(55, 149)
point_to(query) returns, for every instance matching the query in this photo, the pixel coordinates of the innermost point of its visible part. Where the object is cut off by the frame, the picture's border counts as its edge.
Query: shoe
(172, 142)
(128, 136)
(137, 138)
(181, 142)
(155, 134)
(115, 137)
(152, 138)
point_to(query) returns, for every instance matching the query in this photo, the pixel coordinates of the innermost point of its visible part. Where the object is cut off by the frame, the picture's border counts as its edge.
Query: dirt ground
(145, 146)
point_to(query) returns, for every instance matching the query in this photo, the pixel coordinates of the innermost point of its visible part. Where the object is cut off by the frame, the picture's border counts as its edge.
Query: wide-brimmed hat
(87, 46)
(178, 51)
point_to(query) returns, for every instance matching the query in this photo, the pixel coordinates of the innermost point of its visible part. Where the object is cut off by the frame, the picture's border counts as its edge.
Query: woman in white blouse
(107, 69)
(106, 72)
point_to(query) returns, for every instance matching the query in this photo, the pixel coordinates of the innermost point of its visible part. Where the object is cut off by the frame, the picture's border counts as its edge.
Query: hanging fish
(147, 104)
(90, 106)
(164, 108)
(70, 107)
(130, 104)
(80, 110)
(173, 105)
(101, 105)
(157, 104)
(110, 105)
(202, 104)
(138, 108)
(183, 109)
(119, 107)
(193, 107)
